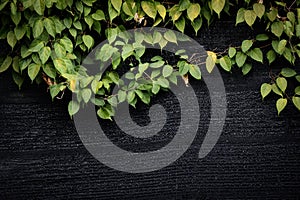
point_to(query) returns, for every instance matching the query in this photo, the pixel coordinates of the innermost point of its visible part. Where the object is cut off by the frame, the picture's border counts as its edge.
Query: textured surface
(256, 157)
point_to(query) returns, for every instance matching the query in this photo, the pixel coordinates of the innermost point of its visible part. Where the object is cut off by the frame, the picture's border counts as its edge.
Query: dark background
(256, 157)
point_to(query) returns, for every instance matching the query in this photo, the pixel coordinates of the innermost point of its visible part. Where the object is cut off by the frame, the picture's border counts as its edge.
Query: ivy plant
(49, 40)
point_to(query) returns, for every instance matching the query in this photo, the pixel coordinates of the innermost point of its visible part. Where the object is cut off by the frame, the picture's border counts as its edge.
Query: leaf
(250, 17)
(225, 63)
(44, 54)
(210, 61)
(256, 54)
(195, 71)
(180, 24)
(33, 70)
(49, 70)
(19, 32)
(73, 108)
(246, 45)
(197, 25)
(50, 26)
(174, 13)
(16, 64)
(218, 5)
(88, 41)
(193, 11)
(163, 82)
(277, 28)
(155, 89)
(149, 8)
(161, 11)
(127, 9)
(281, 46)
(265, 89)
(103, 113)
(184, 4)
(272, 14)
(288, 72)
(231, 52)
(11, 39)
(280, 104)
(276, 90)
(296, 101)
(262, 37)
(157, 64)
(259, 9)
(240, 59)
(143, 96)
(170, 36)
(86, 94)
(240, 17)
(67, 43)
(98, 15)
(246, 69)
(297, 90)
(60, 50)
(167, 70)
(18, 79)
(112, 12)
(117, 4)
(281, 83)
(39, 6)
(271, 56)
(122, 96)
(298, 78)
(5, 65)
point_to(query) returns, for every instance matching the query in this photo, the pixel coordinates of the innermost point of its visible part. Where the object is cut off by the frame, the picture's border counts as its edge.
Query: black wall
(256, 157)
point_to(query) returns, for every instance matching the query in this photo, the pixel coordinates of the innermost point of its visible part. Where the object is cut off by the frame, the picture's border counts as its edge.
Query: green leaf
(298, 78)
(163, 82)
(117, 4)
(50, 26)
(156, 37)
(77, 25)
(5, 65)
(250, 17)
(161, 11)
(246, 68)
(122, 96)
(127, 9)
(11, 39)
(195, 71)
(112, 12)
(288, 72)
(86, 94)
(18, 79)
(280, 104)
(193, 11)
(218, 5)
(265, 89)
(103, 113)
(240, 59)
(277, 28)
(19, 32)
(276, 90)
(225, 63)
(67, 43)
(184, 4)
(60, 50)
(296, 101)
(127, 51)
(231, 52)
(44, 54)
(157, 64)
(262, 37)
(180, 24)
(39, 6)
(155, 89)
(130, 96)
(149, 8)
(143, 96)
(271, 56)
(114, 76)
(240, 17)
(210, 61)
(174, 13)
(197, 25)
(33, 70)
(98, 15)
(281, 83)
(73, 108)
(49, 70)
(297, 90)
(167, 70)
(88, 41)
(246, 45)
(16, 64)
(272, 14)
(281, 46)
(259, 9)
(60, 65)
(256, 54)
(170, 36)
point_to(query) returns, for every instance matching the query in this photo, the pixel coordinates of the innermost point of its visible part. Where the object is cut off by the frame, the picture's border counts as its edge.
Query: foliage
(49, 40)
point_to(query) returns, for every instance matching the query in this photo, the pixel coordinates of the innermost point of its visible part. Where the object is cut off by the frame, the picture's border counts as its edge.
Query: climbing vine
(49, 39)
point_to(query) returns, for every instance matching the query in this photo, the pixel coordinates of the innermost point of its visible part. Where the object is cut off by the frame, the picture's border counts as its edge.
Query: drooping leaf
(259, 9)
(288, 72)
(170, 36)
(39, 6)
(193, 11)
(5, 65)
(218, 5)
(167, 70)
(73, 107)
(44, 54)
(149, 8)
(265, 89)
(250, 17)
(50, 26)
(210, 61)
(240, 59)
(281, 83)
(246, 68)
(281, 104)
(296, 102)
(117, 4)
(256, 54)
(225, 63)
(195, 71)
(33, 70)
(161, 11)
(88, 41)
(246, 45)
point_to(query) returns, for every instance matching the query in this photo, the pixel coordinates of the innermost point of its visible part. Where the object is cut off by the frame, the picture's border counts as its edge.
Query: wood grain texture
(256, 157)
